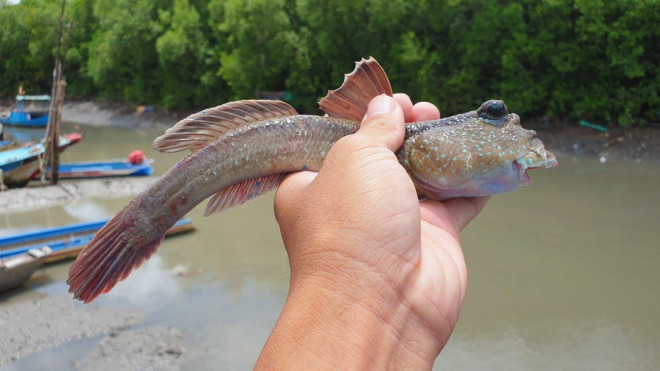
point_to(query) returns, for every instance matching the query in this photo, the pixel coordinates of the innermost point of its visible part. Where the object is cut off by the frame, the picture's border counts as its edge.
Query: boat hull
(20, 165)
(104, 169)
(22, 254)
(28, 119)
(16, 270)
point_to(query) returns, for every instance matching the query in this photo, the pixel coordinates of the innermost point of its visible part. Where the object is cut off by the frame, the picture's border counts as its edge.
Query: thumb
(384, 123)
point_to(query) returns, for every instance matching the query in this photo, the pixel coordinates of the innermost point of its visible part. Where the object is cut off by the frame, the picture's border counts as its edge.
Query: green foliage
(80, 15)
(261, 49)
(590, 59)
(181, 49)
(123, 61)
(27, 45)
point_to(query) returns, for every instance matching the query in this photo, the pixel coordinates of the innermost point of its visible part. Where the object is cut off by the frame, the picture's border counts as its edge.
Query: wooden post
(55, 111)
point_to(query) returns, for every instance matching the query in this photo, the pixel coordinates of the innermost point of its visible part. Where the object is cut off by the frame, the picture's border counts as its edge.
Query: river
(564, 274)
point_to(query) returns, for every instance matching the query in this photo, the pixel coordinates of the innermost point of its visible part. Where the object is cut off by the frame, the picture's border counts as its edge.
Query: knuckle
(350, 144)
(381, 123)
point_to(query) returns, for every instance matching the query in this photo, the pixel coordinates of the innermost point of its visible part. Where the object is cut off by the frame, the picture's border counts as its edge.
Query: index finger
(406, 105)
(424, 111)
(453, 214)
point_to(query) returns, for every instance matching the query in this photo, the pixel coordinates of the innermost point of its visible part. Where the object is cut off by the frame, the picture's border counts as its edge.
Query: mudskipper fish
(243, 149)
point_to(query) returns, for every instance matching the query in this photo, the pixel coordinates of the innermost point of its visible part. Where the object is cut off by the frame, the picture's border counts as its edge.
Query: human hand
(377, 278)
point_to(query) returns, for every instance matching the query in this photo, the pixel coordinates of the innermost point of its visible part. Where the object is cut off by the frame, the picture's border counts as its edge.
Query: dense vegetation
(592, 59)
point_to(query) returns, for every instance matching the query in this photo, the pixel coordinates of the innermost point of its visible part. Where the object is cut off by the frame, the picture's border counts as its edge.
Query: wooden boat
(7, 144)
(103, 169)
(48, 234)
(25, 114)
(16, 270)
(22, 254)
(22, 164)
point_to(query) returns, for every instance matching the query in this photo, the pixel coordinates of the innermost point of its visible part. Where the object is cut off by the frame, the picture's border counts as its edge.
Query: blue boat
(26, 114)
(48, 234)
(22, 164)
(22, 254)
(7, 144)
(66, 237)
(104, 169)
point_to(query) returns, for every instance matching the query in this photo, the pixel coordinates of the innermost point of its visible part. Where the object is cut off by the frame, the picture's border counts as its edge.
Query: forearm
(323, 326)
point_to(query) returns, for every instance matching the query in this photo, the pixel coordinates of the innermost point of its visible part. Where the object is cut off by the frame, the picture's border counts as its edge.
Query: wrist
(332, 319)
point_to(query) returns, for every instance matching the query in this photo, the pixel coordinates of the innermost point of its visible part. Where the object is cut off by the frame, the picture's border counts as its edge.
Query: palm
(363, 208)
(439, 290)
(435, 260)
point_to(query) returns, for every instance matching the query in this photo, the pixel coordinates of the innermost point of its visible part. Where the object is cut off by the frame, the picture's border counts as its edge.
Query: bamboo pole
(55, 110)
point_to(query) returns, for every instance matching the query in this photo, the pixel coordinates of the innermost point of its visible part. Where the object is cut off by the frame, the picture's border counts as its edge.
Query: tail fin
(351, 100)
(117, 249)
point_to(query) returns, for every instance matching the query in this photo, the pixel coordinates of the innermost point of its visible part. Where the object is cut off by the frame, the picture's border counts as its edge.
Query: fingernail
(380, 105)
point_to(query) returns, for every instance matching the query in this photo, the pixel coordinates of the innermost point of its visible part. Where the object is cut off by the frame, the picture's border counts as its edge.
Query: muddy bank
(27, 331)
(116, 342)
(148, 348)
(120, 115)
(636, 145)
(29, 198)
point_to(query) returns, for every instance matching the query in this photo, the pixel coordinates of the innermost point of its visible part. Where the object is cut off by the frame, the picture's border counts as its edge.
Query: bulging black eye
(494, 112)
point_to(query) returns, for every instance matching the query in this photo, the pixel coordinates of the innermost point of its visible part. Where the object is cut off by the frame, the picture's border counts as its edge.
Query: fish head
(478, 153)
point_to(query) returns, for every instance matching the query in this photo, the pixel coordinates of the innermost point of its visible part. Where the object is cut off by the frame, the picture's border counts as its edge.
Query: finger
(291, 191)
(424, 111)
(463, 210)
(454, 214)
(406, 105)
(384, 123)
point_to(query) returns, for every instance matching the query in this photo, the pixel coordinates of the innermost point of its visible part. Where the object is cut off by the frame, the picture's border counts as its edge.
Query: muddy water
(563, 275)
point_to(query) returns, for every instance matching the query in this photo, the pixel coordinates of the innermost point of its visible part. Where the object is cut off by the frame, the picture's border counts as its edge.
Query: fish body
(244, 149)
(264, 149)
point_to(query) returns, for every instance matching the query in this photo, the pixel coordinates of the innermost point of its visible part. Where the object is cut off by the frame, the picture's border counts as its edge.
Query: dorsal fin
(351, 100)
(199, 129)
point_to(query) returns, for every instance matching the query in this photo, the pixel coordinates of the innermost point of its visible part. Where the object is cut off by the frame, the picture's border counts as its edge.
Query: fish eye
(493, 112)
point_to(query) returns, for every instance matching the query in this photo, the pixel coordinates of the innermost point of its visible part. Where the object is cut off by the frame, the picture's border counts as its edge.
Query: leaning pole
(55, 111)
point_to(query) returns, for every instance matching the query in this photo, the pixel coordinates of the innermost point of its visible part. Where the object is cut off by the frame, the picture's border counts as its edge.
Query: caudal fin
(350, 101)
(111, 256)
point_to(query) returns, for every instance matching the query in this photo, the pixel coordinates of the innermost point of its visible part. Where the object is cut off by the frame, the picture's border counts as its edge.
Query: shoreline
(119, 115)
(618, 144)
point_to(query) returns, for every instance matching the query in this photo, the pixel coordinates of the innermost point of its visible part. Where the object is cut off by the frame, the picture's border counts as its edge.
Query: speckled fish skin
(472, 154)
(478, 153)
(462, 155)
(274, 146)
(243, 149)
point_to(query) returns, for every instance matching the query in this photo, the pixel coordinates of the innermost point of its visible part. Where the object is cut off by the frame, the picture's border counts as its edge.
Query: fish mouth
(535, 158)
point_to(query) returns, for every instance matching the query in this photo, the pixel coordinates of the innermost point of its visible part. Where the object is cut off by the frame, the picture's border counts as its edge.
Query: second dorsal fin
(201, 128)
(351, 100)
